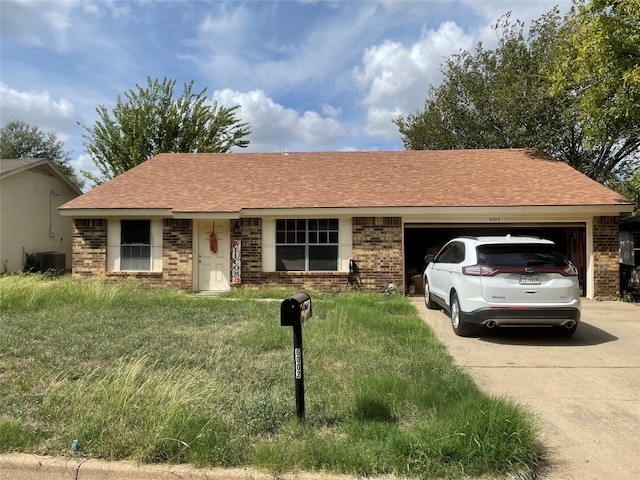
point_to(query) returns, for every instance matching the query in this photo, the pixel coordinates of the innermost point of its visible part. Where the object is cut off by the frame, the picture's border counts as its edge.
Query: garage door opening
(423, 239)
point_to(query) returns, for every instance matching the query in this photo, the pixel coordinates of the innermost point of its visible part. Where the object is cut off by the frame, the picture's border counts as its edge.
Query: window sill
(307, 274)
(137, 273)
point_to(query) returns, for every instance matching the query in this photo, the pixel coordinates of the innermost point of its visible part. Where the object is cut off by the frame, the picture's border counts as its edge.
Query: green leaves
(600, 60)
(570, 88)
(149, 120)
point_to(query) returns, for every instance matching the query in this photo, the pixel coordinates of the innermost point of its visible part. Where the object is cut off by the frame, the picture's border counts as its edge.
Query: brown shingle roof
(229, 182)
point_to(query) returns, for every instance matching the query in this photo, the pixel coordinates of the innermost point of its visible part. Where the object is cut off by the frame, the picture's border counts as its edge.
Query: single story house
(629, 252)
(32, 232)
(212, 222)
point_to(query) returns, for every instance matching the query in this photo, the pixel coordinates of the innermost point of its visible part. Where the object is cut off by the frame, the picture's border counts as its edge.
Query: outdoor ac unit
(51, 261)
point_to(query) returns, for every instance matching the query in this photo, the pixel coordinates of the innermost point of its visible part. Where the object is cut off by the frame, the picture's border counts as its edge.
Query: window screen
(135, 245)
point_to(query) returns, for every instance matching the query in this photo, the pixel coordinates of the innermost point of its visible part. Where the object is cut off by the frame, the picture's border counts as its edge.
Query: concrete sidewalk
(584, 390)
(35, 467)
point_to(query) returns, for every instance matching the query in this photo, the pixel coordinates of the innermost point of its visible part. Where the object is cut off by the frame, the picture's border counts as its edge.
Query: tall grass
(164, 376)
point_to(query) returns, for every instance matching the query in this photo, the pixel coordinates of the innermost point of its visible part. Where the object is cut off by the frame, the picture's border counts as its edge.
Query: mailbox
(295, 310)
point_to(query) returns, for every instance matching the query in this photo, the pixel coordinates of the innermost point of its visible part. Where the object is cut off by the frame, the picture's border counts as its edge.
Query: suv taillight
(569, 271)
(479, 271)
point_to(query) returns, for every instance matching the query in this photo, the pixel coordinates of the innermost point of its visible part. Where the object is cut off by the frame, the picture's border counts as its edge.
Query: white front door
(213, 255)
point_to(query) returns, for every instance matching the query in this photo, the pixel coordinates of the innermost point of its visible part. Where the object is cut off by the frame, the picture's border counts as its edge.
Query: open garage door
(424, 239)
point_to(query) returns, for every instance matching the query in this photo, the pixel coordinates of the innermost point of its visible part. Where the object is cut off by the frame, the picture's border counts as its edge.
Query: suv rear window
(520, 256)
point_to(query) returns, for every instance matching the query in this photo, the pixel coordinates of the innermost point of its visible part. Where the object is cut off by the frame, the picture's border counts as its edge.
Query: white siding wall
(29, 218)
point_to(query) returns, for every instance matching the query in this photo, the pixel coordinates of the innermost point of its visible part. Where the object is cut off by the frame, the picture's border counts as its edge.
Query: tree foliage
(148, 121)
(506, 98)
(599, 62)
(21, 140)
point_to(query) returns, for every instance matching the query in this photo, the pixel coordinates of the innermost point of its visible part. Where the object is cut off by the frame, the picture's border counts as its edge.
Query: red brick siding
(89, 247)
(377, 249)
(90, 254)
(606, 253)
(177, 253)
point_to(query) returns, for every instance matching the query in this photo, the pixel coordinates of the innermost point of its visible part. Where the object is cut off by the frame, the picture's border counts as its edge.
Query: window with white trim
(135, 245)
(307, 244)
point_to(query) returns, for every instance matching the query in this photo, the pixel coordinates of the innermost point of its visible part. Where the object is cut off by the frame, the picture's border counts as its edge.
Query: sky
(307, 75)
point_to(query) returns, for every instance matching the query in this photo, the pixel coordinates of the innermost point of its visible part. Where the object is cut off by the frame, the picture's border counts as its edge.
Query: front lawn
(159, 376)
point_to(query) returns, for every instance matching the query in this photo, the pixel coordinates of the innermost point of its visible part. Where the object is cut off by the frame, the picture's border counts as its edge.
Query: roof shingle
(230, 182)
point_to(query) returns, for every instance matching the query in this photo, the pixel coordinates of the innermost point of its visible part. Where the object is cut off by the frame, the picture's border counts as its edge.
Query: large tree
(598, 64)
(21, 140)
(149, 120)
(505, 98)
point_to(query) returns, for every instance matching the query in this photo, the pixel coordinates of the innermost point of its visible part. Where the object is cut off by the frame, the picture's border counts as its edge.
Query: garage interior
(427, 239)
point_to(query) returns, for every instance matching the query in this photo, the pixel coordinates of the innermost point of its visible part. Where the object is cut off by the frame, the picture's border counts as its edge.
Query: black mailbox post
(293, 312)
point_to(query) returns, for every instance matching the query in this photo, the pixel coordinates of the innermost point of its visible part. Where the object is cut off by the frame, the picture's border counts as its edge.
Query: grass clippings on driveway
(160, 376)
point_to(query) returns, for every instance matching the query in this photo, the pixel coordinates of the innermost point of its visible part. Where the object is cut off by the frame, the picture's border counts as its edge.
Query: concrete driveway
(585, 390)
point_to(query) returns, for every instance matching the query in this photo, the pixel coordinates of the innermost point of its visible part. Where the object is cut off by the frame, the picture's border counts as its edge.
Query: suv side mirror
(428, 259)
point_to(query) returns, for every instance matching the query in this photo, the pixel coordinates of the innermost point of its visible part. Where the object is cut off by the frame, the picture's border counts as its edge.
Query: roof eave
(115, 212)
(490, 211)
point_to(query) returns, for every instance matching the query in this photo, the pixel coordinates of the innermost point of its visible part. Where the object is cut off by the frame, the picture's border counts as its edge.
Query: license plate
(529, 280)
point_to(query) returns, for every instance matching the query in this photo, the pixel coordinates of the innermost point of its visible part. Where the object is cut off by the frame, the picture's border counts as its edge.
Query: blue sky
(308, 75)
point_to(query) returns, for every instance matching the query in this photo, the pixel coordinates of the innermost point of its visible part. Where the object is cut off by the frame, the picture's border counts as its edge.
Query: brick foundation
(606, 256)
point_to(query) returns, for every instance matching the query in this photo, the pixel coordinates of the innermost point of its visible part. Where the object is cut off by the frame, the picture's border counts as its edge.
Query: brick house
(213, 222)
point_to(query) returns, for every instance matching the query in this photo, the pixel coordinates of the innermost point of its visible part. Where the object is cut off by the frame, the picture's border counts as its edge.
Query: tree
(598, 64)
(21, 140)
(504, 98)
(149, 121)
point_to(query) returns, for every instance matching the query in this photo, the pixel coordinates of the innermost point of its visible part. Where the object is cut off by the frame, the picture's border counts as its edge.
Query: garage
(422, 239)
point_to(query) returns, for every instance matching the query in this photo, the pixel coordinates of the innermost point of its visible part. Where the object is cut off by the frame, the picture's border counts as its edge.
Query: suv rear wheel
(460, 327)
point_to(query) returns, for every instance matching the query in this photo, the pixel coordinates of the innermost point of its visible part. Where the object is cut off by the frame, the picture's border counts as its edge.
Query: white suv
(511, 280)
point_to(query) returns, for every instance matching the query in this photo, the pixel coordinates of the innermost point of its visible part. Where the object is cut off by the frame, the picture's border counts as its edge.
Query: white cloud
(225, 30)
(37, 108)
(527, 11)
(31, 24)
(275, 127)
(396, 77)
(379, 123)
(239, 46)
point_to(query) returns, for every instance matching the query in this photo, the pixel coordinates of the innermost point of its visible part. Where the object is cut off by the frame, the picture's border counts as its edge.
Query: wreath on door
(213, 242)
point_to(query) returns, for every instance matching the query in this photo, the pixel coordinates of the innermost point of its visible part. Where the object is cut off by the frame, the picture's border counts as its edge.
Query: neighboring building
(31, 191)
(211, 222)
(630, 252)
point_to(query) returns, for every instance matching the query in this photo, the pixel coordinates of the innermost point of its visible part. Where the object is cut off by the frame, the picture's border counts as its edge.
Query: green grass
(159, 376)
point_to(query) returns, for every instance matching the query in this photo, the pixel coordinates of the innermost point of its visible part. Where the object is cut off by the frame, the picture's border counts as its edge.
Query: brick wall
(377, 249)
(177, 253)
(90, 254)
(253, 276)
(606, 253)
(89, 247)
(251, 262)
